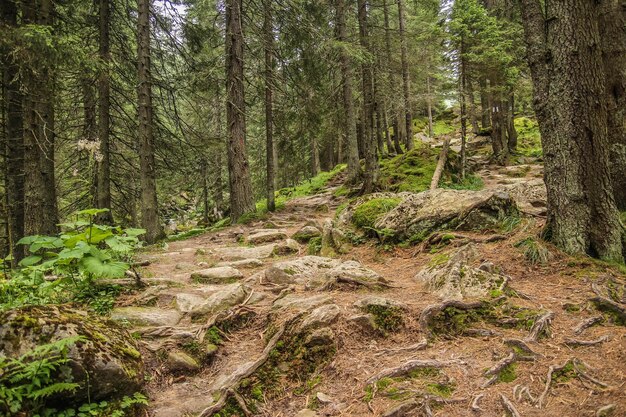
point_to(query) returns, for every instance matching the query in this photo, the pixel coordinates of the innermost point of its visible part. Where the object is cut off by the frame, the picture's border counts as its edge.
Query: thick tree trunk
(378, 116)
(40, 209)
(395, 146)
(241, 197)
(149, 205)
(90, 134)
(406, 79)
(14, 150)
(396, 136)
(612, 24)
(472, 106)
(218, 183)
(269, 121)
(352, 145)
(566, 66)
(370, 176)
(510, 125)
(103, 198)
(499, 121)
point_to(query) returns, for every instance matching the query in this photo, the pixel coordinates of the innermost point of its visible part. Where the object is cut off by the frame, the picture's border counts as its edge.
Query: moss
(314, 246)
(528, 137)
(427, 372)
(508, 373)
(438, 260)
(230, 409)
(366, 214)
(213, 336)
(442, 390)
(564, 374)
(386, 318)
(411, 171)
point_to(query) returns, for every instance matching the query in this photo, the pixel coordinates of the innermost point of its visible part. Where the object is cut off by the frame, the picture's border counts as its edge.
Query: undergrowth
(528, 137)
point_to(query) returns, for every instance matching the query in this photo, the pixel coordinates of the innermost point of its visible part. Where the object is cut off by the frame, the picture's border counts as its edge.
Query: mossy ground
(411, 171)
(366, 214)
(528, 137)
(387, 318)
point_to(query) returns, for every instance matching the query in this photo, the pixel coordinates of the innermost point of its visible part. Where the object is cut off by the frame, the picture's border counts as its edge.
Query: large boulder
(440, 209)
(265, 236)
(211, 299)
(106, 364)
(217, 275)
(235, 253)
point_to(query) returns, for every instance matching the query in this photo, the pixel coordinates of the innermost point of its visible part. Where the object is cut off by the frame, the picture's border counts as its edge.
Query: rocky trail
(243, 321)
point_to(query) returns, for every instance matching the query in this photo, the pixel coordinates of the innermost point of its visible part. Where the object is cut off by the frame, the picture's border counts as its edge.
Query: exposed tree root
(439, 238)
(521, 391)
(402, 409)
(576, 342)
(542, 397)
(406, 368)
(431, 311)
(423, 401)
(495, 370)
(524, 353)
(364, 283)
(475, 406)
(418, 346)
(541, 325)
(233, 382)
(509, 408)
(585, 324)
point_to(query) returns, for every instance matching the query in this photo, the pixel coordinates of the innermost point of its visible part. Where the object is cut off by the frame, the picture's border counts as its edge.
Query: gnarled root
(509, 408)
(541, 325)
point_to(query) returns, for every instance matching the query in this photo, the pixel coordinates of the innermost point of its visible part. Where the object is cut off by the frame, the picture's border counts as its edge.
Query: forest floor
(593, 377)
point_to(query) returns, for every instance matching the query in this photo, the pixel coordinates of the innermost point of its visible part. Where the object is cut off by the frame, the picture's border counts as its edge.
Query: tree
(14, 142)
(406, 80)
(149, 204)
(354, 167)
(612, 25)
(241, 197)
(269, 120)
(565, 60)
(103, 187)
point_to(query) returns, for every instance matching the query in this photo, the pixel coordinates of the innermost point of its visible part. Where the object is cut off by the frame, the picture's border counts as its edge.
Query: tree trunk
(612, 24)
(149, 205)
(499, 123)
(485, 106)
(352, 145)
(396, 136)
(90, 134)
(377, 111)
(429, 99)
(406, 80)
(241, 197)
(103, 198)
(462, 75)
(14, 150)
(510, 128)
(566, 66)
(472, 106)
(269, 121)
(390, 77)
(40, 209)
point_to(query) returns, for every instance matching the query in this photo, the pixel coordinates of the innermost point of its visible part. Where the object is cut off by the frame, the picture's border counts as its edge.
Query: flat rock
(307, 270)
(265, 236)
(299, 303)
(306, 233)
(217, 275)
(235, 253)
(242, 263)
(376, 301)
(146, 316)
(451, 277)
(213, 300)
(288, 247)
(353, 270)
(322, 316)
(178, 361)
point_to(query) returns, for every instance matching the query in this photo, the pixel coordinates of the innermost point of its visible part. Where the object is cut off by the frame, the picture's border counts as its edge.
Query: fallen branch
(541, 325)
(509, 408)
(585, 324)
(441, 163)
(576, 342)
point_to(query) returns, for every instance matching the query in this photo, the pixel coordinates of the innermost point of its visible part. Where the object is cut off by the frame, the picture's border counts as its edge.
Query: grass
(471, 182)
(366, 214)
(443, 127)
(528, 137)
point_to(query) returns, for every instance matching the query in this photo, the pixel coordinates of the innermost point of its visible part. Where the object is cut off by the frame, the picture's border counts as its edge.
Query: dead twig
(406, 368)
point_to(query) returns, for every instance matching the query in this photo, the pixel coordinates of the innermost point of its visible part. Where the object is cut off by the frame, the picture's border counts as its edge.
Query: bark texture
(149, 206)
(565, 58)
(241, 198)
(406, 80)
(269, 120)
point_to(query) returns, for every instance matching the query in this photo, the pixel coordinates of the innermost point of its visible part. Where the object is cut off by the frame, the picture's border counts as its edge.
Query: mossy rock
(366, 214)
(106, 365)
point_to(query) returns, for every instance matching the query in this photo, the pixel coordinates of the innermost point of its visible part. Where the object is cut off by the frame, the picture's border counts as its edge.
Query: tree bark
(390, 77)
(103, 189)
(241, 197)
(352, 145)
(269, 121)
(565, 59)
(406, 80)
(149, 205)
(429, 100)
(510, 129)
(40, 208)
(484, 104)
(370, 176)
(499, 123)
(612, 24)
(14, 150)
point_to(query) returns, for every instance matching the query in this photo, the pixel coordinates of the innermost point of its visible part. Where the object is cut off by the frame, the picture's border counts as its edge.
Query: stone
(306, 233)
(242, 263)
(217, 275)
(353, 270)
(214, 299)
(376, 301)
(320, 337)
(106, 364)
(441, 209)
(265, 236)
(298, 303)
(606, 411)
(323, 398)
(306, 413)
(146, 316)
(234, 253)
(322, 316)
(287, 247)
(364, 321)
(454, 278)
(308, 271)
(178, 361)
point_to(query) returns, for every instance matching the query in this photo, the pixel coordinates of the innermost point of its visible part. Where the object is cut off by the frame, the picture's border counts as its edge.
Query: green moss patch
(528, 137)
(386, 318)
(508, 373)
(411, 171)
(366, 214)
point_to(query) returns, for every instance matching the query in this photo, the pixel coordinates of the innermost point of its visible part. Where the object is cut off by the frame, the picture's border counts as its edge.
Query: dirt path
(338, 386)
